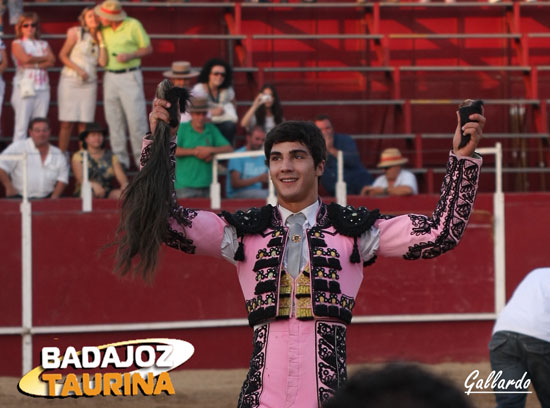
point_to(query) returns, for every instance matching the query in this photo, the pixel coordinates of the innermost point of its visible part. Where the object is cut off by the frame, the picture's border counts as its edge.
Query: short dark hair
(398, 385)
(38, 120)
(321, 117)
(305, 133)
(205, 72)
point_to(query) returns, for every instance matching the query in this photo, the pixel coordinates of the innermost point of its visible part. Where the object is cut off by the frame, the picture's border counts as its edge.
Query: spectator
(521, 340)
(47, 169)
(266, 110)
(103, 165)
(31, 89)
(82, 51)
(215, 84)
(395, 181)
(197, 142)
(3, 66)
(247, 174)
(181, 76)
(355, 175)
(124, 98)
(397, 385)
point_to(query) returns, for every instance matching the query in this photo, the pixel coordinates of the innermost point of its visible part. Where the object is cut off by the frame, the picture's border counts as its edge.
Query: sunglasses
(222, 74)
(33, 25)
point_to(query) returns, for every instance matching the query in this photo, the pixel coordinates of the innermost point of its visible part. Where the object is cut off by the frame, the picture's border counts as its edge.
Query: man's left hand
(124, 57)
(474, 129)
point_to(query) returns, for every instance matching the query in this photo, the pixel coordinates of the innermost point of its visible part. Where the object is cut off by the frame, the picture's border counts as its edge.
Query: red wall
(73, 284)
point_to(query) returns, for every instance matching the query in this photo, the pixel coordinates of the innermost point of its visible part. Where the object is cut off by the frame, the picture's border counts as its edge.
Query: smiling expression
(294, 175)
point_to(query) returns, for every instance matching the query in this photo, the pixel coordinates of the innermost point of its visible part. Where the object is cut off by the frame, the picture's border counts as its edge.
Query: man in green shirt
(197, 142)
(124, 98)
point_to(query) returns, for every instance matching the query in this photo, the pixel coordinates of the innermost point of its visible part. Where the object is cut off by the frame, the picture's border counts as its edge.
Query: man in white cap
(395, 180)
(124, 98)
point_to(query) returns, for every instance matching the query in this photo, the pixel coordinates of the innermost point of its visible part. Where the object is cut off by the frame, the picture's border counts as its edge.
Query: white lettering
(49, 357)
(139, 356)
(164, 360)
(70, 357)
(86, 352)
(110, 357)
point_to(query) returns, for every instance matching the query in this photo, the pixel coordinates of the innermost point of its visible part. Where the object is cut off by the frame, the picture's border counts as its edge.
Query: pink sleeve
(191, 231)
(418, 236)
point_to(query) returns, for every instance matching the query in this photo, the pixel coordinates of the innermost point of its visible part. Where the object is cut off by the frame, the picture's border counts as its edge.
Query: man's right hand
(11, 191)
(159, 112)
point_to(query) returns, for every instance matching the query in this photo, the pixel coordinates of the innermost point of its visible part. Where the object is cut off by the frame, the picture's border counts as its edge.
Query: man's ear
(320, 169)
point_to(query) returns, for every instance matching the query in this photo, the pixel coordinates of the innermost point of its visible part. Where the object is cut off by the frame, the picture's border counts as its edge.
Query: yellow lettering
(127, 384)
(71, 385)
(146, 386)
(51, 379)
(112, 383)
(164, 384)
(86, 388)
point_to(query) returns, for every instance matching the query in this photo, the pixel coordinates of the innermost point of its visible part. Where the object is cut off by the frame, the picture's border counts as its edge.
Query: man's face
(326, 129)
(256, 139)
(198, 120)
(392, 172)
(294, 175)
(104, 22)
(40, 134)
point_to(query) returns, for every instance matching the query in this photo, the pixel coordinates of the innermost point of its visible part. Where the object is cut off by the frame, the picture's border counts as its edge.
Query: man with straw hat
(181, 75)
(395, 180)
(124, 98)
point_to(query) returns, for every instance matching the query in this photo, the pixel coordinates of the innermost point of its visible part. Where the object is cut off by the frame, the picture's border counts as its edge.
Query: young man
(47, 168)
(300, 264)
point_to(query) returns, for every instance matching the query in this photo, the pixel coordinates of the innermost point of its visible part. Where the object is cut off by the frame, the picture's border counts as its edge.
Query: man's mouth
(289, 179)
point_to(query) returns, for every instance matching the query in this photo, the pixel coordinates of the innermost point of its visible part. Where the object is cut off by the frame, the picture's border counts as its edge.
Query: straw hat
(110, 10)
(198, 104)
(391, 157)
(180, 69)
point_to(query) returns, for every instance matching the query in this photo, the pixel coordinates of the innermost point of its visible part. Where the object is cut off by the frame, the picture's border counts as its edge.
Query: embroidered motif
(252, 387)
(451, 214)
(145, 155)
(330, 359)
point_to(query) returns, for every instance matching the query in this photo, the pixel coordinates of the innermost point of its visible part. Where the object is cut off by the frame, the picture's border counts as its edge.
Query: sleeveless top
(39, 76)
(85, 53)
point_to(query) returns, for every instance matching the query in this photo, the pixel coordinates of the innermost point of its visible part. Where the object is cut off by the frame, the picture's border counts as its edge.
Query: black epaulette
(352, 222)
(251, 221)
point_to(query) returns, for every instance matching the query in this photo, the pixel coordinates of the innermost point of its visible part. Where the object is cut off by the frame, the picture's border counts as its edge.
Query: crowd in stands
(107, 37)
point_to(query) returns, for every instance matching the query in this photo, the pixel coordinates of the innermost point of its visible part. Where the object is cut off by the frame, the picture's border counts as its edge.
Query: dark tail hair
(147, 200)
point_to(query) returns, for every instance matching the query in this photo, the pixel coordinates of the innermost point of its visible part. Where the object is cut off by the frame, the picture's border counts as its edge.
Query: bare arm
(70, 42)
(4, 63)
(103, 55)
(22, 57)
(77, 170)
(245, 121)
(139, 53)
(8, 186)
(238, 182)
(120, 175)
(58, 190)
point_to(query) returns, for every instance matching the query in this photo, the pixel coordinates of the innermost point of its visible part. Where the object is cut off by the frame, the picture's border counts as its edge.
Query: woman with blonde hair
(82, 51)
(31, 87)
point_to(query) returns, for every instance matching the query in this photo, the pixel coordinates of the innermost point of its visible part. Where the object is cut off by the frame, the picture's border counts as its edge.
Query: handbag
(26, 87)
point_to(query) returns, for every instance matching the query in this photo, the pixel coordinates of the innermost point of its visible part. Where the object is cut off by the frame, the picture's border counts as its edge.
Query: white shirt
(42, 176)
(528, 310)
(405, 178)
(368, 242)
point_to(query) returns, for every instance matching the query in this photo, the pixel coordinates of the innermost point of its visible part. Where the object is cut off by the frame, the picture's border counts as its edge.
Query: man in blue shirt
(246, 175)
(355, 175)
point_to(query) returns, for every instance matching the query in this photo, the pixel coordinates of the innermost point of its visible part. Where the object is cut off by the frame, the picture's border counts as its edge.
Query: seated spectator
(355, 175)
(398, 385)
(103, 165)
(266, 110)
(247, 174)
(214, 83)
(395, 181)
(181, 75)
(47, 168)
(197, 142)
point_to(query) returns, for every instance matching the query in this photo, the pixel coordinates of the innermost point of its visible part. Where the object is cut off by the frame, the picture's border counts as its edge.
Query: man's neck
(116, 24)
(198, 129)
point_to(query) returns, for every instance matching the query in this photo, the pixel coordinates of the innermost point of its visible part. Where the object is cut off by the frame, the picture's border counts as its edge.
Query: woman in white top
(266, 110)
(77, 91)
(214, 83)
(31, 87)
